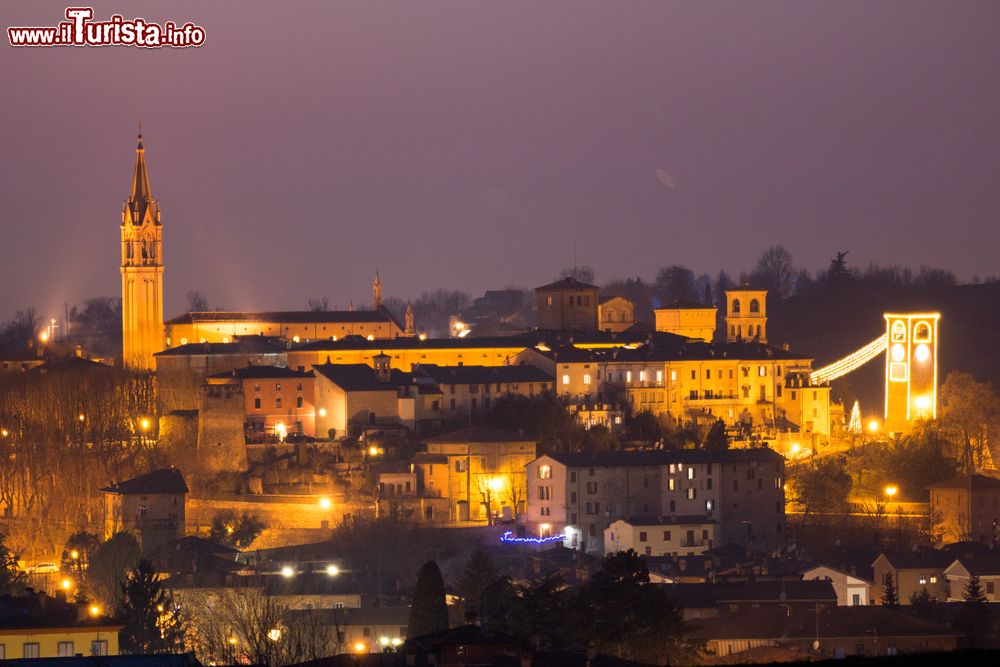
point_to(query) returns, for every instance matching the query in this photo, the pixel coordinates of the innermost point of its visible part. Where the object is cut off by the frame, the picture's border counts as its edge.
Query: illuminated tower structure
(746, 314)
(142, 271)
(910, 369)
(377, 292)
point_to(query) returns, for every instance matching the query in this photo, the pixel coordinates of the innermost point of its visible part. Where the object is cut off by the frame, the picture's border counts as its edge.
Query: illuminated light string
(508, 539)
(851, 362)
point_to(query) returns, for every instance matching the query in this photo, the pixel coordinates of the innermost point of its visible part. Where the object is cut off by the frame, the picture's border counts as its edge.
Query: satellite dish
(665, 178)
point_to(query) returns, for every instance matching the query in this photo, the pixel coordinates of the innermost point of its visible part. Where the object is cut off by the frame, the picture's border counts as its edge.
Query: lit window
(692, 493)
(762, 371)
(544, 472)
(923, 579)
(565, 379)
(690, 473)
(673, 376)
(586, 378)
(709, 505)
(628, 376)
(670, 484)
(933, 579)
(659, 376)
(642, 376)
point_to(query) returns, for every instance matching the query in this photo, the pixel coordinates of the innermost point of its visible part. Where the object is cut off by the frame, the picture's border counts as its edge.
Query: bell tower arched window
(736, 306)
(754, 306)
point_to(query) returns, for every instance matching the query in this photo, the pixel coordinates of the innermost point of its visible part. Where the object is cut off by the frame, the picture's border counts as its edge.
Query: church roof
(566, 283)
(284, 316)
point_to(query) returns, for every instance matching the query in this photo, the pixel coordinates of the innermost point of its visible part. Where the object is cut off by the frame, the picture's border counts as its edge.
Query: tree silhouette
(889, 596)
(151, 621)
(428, 612)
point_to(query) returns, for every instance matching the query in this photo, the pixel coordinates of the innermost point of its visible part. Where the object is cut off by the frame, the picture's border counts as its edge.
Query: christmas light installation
(854, 426)
(508, 538)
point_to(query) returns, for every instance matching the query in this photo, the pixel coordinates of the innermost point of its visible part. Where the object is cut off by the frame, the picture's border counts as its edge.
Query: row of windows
(63, 649)
(299, 401)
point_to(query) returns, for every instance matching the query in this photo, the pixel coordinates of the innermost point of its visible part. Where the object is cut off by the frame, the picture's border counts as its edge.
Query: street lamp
(144, 423)
(873, 426)
(325, 503)
(287, 572)
(66, 584)
(94, 610)
(274, 634)
(332, 570)
(891, 490)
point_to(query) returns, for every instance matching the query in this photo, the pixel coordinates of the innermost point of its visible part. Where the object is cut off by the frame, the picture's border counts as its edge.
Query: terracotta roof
(284, 316)
(861, 621)
(359, 377)
(245, 345)
(660, 457)
(483, 374)
(252, 372)
(478, 434)
(165, 480)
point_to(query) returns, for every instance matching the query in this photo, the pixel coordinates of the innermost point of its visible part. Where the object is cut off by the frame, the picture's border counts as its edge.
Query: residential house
(912, 572)
(662, 536)
(36, 625)
(150, 506)
(966, 508)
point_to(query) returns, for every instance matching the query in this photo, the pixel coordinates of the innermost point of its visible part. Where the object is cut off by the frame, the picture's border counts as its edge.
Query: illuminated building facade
(276, 401)
(910, 369)
(615, 313)
(479, 471)
(142, 271)
(688, 319)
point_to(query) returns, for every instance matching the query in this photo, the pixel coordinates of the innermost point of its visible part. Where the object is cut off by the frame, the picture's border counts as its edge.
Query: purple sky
(467, 144)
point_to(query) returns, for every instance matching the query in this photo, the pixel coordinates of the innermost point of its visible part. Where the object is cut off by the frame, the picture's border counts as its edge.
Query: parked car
(43, 568)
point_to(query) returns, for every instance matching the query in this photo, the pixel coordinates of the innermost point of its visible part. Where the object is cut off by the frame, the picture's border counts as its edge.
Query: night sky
(468, 144)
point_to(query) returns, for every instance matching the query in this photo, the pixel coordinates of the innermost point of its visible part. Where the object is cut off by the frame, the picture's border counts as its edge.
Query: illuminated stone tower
(377, 292)
(142, 271)
(910, 369)
(746, 314)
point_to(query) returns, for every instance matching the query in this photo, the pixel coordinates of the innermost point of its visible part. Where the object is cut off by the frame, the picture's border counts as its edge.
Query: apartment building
(581, 495)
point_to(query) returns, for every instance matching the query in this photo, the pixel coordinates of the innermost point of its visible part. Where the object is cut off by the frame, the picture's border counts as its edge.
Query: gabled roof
(472, 434)
(832, 621)
(483, 374)
(165, 480)
(976, 482)
(355, 377)
(660, 457)
(263, 372)
(988, 566)
(566, 284)
(855, 561)
(710, 595)
(245, 345)
(915, 560)
(284, 316)
(686, 520)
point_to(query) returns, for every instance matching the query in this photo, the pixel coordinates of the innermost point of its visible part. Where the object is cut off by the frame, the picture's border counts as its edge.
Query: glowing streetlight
(4, 432)
(873, 426)
(396, 641)
(332, 570)
(544, 529)
(322, 412)
(44, 336)
(384, 641)
(233, 641)
(274, 634)
(891, 491)
(496, 483)
(281, 431)
(325, 503)
(795, 449)
(144, 423)
(74, 554)
(81, 417)
(374, 451)
(94, 610)
(360, 647)
(287, 572)
(66, 584)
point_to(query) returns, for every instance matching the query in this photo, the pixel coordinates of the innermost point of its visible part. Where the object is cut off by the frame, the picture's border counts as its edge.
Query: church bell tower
(142, 271)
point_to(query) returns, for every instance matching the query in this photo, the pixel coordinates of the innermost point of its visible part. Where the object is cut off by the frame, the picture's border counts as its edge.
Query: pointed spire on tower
(142, 195)
(377, 292)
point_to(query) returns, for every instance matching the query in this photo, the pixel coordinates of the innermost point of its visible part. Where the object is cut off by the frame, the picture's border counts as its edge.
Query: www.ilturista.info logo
(80, 30)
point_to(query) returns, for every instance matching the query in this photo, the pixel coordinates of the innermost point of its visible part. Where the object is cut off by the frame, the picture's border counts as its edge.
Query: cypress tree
(889, 596)
(429, 612)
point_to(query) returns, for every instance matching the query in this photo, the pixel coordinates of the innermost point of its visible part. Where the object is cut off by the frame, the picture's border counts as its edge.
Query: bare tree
(775, 271)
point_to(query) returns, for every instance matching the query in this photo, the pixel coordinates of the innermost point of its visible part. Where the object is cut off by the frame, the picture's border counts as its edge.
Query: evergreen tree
(486, 593)
(974, 618)
(429, 612)
(890, 598)
(922, 604)
(10, 574)
(715, 439)
(151, 622)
